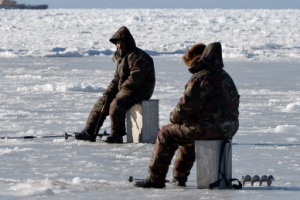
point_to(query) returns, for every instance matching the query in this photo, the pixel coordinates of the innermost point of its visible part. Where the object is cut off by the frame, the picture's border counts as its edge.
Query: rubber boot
(114, 139)
(86, 134)
(178, 183)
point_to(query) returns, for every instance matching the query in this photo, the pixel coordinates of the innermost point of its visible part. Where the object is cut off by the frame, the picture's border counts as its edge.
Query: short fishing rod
(138, 149)
(66, 136)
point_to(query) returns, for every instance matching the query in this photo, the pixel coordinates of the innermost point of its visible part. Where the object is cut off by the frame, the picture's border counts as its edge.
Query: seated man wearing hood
(133, 81)
(208, 110)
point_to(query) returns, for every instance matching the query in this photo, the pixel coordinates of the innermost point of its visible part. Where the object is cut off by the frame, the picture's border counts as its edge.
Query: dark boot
(114, 139)
(86, 134)
(148, 183)
(178, 183)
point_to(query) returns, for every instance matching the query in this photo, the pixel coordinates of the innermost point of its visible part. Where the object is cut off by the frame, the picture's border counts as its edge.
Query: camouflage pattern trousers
(116, 110)
(170, 138)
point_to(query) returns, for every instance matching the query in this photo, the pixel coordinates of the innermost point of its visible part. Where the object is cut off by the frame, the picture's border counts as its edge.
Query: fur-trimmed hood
(193, 55)
(211, 57)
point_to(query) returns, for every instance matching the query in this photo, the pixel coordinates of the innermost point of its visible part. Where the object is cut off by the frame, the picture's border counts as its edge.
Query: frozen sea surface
(245, 34)
(51, 96)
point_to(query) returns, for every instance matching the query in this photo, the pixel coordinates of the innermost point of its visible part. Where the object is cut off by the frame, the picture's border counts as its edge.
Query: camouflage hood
(211, 57)
(123, 34)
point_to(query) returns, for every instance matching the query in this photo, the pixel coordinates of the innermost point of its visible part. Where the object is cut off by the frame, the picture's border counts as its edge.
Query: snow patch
(287, 129)
(4, 151)
(292, 107)
(62, 87)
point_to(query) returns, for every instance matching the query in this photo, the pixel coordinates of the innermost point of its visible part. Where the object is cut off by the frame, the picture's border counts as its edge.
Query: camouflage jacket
(135, 72)
(210, 102)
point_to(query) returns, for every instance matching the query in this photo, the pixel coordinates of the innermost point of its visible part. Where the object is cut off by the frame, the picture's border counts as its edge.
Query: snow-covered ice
(55, 63)
(51, 96)
(245, 34)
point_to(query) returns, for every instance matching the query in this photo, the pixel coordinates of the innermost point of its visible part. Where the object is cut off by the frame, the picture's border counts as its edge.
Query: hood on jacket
(211, 57)
(123, 34)
(193, 55)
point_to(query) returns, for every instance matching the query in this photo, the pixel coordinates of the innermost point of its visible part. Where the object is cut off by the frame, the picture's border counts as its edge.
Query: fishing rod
(66, 136)
(135, 150)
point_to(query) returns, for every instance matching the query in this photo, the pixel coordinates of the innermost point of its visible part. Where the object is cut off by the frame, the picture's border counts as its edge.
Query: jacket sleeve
(192, 101)
(139, 68)
(112, 88)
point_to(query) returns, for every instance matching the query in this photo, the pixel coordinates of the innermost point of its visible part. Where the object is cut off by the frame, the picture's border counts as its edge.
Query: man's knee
(163, 132)
(121, 104)
(166, 136)
(176, 135)
(116, 108)
(170, 130)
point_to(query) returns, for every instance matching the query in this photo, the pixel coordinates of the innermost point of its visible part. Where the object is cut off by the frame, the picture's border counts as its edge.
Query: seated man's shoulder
(137, 53)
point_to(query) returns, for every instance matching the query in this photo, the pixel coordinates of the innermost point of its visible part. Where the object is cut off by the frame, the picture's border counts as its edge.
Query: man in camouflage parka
(133, 81)
(207, 110)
